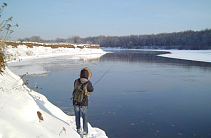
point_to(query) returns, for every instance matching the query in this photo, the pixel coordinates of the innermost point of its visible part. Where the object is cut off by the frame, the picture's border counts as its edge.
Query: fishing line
(103, 75)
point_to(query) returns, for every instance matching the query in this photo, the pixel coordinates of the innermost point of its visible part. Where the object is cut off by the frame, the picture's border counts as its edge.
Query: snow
(194, 55)
(23, 52)
(19, 104)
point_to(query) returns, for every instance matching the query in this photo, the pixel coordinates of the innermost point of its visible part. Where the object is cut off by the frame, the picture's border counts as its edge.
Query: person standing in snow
(81, 108)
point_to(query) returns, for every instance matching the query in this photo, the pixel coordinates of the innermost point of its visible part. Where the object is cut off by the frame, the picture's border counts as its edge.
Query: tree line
(193, 40)
(177, 40)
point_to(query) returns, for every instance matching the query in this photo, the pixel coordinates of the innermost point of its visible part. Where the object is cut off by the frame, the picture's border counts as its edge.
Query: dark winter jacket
(83, 78)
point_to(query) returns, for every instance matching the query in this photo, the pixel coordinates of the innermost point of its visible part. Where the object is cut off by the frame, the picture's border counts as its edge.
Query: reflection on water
(142, 95)
(150, 57)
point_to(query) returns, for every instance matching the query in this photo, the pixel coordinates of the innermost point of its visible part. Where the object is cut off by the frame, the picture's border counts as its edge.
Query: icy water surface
(142, 95)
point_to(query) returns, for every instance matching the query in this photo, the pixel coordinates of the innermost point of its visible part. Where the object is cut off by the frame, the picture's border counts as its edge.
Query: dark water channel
(142, 95)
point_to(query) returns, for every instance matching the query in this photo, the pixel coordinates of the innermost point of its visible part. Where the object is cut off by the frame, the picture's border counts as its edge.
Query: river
(141, 95)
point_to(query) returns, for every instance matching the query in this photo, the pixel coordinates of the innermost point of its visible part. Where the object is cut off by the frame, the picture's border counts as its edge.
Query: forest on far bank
(176, 40)
(194, 40)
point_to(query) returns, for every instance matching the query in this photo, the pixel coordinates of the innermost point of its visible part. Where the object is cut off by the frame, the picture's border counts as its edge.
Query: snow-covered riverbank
(23, 52)
(19, 105)
(194, 55)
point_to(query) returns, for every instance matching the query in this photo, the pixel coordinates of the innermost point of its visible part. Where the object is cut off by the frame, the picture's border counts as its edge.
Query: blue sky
(51, 19)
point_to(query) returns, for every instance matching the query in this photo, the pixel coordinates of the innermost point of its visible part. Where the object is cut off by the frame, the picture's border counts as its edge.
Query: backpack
(80, 92)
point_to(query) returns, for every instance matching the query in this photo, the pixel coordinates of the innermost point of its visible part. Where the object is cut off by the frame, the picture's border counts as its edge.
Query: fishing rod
(103, 75)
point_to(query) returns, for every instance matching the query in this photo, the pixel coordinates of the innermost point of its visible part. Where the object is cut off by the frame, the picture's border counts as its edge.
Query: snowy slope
(18, 113)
